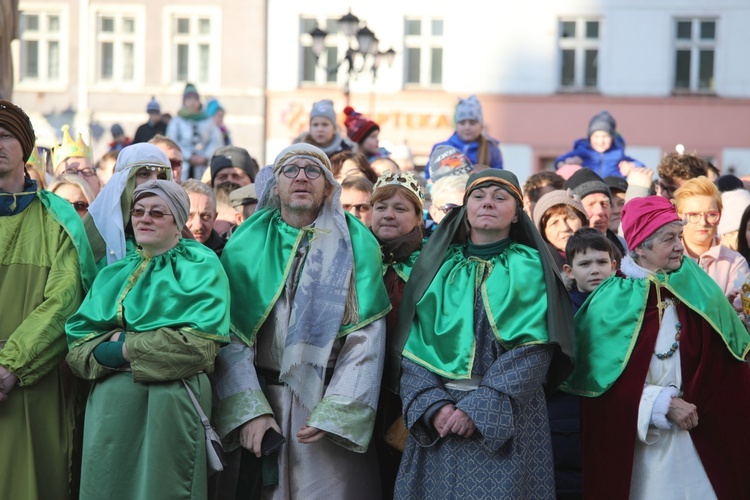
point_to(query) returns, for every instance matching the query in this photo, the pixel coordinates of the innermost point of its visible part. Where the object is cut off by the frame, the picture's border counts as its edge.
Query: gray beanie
(585, 182)
(604, 122)
(553, 199)
(469, 109)
(324, 108)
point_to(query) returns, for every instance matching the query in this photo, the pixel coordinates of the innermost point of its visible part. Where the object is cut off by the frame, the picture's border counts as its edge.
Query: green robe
(142, 436)
(40, 286)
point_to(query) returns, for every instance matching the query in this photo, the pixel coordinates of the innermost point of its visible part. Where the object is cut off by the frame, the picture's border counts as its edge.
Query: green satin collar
(512, 288)
(608, 323)
(488, 250)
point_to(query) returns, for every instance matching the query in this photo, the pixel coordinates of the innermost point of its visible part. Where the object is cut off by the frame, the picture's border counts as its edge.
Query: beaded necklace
(662, 306)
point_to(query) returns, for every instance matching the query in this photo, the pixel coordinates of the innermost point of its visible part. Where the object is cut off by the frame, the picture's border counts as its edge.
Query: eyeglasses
(292, 171)
(155, 214)
(85, 172)
(80, 206)
(448, 207)
(710, 217)
(360, 207)
(175, 163)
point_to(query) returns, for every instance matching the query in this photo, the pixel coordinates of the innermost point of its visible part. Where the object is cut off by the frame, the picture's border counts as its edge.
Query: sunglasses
(80, 206)
(155, 214)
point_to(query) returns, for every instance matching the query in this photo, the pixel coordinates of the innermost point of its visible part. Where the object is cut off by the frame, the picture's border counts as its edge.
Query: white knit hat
(734, 205)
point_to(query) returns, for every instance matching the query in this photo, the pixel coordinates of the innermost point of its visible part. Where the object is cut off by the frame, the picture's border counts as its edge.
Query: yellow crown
(70, 149)
(403, 179)
(36, 160)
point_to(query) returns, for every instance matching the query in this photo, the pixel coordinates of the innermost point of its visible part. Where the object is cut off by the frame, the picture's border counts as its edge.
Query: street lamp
(367, 47)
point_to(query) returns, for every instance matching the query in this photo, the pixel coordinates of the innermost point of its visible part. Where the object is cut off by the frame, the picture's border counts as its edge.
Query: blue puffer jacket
(471, 150)
(604, 164)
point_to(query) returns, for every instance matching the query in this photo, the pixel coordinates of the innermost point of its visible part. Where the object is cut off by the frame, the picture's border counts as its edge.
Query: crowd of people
(353, 327)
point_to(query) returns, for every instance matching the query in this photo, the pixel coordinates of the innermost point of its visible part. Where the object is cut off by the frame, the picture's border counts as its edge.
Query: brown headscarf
(13, 119)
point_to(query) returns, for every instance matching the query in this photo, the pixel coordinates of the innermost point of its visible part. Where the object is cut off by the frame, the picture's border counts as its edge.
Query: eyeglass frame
(154, 214)
(702, 215)
(81, 171)
(315, 168)
(448, 207)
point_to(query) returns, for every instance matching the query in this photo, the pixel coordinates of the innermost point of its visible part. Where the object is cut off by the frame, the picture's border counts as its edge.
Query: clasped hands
(451, 420)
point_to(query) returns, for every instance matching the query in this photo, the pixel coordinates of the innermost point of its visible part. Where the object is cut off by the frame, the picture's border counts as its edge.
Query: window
(323, 69)
(423, 52)
(695, 45)
(195, 46)
(117, 42)
(42, 46)
(578, 41)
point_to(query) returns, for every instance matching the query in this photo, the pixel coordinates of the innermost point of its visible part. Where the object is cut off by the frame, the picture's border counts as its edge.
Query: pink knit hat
(642, 217)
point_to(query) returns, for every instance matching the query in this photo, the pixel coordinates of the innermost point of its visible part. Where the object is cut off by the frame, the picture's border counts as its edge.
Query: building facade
(93, 63)
(670, 71)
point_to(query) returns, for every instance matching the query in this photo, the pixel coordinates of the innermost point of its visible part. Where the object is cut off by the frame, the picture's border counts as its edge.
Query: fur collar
(629, 268)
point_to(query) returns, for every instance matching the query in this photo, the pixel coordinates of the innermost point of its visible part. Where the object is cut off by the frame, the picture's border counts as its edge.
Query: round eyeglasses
(710, 217)
(312, 172)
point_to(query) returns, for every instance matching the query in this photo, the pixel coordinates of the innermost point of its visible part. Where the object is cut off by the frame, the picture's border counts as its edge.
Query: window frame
(426, 42)
(171, 39)
(118, 39)
(332, 41)
(695, 45)
(43, 83)
(580, 44)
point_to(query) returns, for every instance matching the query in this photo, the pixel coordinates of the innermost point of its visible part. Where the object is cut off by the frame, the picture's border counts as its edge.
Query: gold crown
(70, 149)
(403, 179)
(36, 160)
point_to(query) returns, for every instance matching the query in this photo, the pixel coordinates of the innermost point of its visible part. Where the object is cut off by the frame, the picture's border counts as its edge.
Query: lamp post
(361, 44)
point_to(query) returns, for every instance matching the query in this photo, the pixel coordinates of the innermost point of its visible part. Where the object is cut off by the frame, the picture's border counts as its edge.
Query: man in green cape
(45, 265)
(307, 314)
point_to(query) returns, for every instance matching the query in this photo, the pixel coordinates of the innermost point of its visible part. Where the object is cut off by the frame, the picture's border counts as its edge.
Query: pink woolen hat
(642, 217)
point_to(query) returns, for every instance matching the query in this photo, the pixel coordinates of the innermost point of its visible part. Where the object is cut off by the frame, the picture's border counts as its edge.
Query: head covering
(218, 163)
(729, 182)
(324, 108)
(110, 210)
(585, 182)
(153, 106)
(405, 180)
(358, 126)
(451, 228)
(17, 122)
(469, 109)
(265, 175)
(190, 90)
(567, 170)
(240, 158)
(117, 130)
(642, 217)
(616, 183)
(69, 148)
(602, 121)
(173, 195)
(447, 160)
(734, 204)
(245, 195)
(553, 199)
(335, 297)
(212, 106)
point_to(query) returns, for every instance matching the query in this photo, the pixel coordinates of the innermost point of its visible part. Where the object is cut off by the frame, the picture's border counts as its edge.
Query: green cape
(608, 323)
(259, 256)
(68, 218)
(442, 334)
(183, 288)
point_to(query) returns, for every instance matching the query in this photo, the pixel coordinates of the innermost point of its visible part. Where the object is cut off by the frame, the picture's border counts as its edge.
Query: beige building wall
(60, 75)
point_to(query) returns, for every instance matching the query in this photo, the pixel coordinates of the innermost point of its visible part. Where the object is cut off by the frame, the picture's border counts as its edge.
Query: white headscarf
(106, 211)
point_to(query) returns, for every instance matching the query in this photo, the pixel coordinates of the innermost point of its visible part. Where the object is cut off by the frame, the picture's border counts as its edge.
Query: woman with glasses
(108, 224)
(139, 342)
(72, 189)
(699, 204)
(397, 201)
(486, 326)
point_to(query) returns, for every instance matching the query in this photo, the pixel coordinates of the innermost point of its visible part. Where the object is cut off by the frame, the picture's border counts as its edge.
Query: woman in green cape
(153, 319)
(489, 327)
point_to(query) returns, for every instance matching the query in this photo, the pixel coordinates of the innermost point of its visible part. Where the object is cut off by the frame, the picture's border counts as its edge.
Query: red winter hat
(642, 217)
(358, 127)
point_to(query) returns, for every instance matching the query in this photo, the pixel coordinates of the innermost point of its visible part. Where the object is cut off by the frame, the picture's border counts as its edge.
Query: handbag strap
(204, 418)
